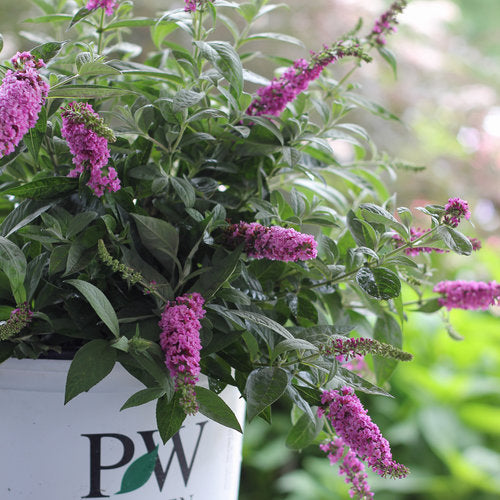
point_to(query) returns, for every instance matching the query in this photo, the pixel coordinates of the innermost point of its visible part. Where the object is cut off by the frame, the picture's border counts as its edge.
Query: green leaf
(361, 234)
(381, 283)
(58, 259)
(86, 92)
(139, 472)
(389, 57)
(48, 188)
(430, 306)
(158, 236)
(34, 273)
(280, 37)
(215, 408)
(348, 377)
(1, 42)
(293, 345)
(386, 330)
(80, 222)
(455, 240)
(13, 264)
(22, 215)
(262, 320)
(97, 69)
(91, 364)
(6, 349)
(263, 387)
(223, 56)
(169, 416)
(184, 99)
(47, 51)
(142, 397)
(303, 432)
(184, 190)
(81, 14)
(374, 213)
(100, 303)
(218, 274)
(33, 139)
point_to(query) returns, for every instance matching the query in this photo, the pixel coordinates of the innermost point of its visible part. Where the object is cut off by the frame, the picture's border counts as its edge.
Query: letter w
(178, 449)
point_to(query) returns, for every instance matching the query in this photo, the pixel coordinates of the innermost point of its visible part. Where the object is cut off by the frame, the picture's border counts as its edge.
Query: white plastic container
(49, 451)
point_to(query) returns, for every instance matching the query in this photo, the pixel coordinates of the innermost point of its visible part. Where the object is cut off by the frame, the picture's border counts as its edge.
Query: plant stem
(100, 30)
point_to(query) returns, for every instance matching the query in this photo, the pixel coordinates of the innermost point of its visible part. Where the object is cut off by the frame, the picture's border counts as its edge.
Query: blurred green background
(444, 422)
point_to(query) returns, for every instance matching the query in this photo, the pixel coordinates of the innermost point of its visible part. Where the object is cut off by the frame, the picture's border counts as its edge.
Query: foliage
(99, 271)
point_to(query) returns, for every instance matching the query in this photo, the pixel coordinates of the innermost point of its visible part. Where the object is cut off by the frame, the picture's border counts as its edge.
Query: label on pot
(89, 449)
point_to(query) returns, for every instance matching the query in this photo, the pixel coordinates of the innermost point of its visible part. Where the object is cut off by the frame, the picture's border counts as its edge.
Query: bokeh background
(444, 422)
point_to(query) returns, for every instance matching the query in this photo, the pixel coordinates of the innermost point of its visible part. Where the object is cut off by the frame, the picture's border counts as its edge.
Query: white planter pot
(49, 451)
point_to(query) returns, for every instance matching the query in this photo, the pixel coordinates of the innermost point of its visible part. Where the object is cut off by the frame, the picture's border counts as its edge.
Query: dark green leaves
(158, 236)
(226, 60)
(99, 302)
(303, 432)
(13, 264)
(91, 364)
(138, 472)
(86, 92)
(48, 188)
(169, 416)
(144, 396)
(455, 240)
(264, 386)
(214, 407)
(381, 283)
(47, 51)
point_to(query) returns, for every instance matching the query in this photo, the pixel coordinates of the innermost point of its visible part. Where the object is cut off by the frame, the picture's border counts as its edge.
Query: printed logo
(140, 470)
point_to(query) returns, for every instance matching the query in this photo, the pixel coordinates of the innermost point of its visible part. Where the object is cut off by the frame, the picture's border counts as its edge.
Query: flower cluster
(350, 466)
(273, 243)
(476, 244)
(192, 5)
(87, 138)
(180, 340)
(19, 318)
(108, 5)
(351, 422)
(454, 210)
(273, 98)
(22, 95)
(385, 24)
(468, 294)
(350, 347)
(416, 233)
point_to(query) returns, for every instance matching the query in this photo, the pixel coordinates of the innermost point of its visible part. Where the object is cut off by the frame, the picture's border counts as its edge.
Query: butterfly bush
(350, 466)
(180, 340)
(468, 294)
(273, 243)
(22, 95)
(351, 422)
(387, 22)
(266, 304)
(87, 138)
(273, 98)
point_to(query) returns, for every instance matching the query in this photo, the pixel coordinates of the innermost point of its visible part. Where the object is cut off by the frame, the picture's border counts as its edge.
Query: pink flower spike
(180, 340)
(352, 423)
(272, 100)
(22, 95)
(273, 243)
(87, 138)
(468, 294)
(386, 23)
(350, 466)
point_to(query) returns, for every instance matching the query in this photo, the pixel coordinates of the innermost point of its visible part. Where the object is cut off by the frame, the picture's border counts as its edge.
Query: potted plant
(185, 218)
